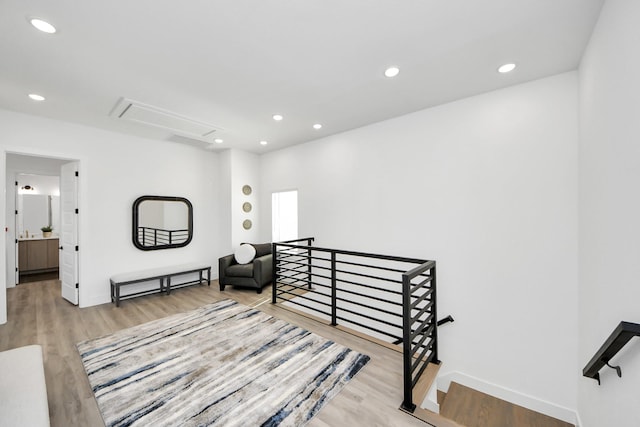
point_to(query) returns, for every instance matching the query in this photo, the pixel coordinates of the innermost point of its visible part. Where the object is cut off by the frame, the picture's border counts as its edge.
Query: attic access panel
(149, 115)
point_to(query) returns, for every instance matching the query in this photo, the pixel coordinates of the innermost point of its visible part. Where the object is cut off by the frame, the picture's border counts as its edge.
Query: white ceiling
(235, 63)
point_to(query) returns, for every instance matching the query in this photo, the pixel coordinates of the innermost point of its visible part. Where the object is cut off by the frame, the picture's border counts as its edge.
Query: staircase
(462, 406)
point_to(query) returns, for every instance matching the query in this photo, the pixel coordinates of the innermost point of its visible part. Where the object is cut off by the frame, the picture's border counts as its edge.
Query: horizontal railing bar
(280, 292)
(391, 313)
(377, 267)
(420, 329)
(371, 297)
(301, 256)
(426, 265)
(294, 284)
(421, 341)
(360, 254)
(353, 322)
(368, 317)
(306, 306)
(293, 274)
(369, 286)
(417, 376)
(285, 256)
(286, 265)
(422, 283)
(421, 357)
(303, 239)
(369, 276)
(311, 282)
(421, 298)
(421, 312)
(297, 270)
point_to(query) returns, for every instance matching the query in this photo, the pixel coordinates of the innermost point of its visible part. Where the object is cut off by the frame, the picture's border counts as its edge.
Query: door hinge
(77, 173)
(76, 286)
(16, 240)
(16, 269)
(16, 211)
(76, 249)
(16, 183)
(76, 210)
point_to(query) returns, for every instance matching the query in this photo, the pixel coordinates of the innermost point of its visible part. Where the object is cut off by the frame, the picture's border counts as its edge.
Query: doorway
(37, 222)
(284, 215)
(42, 243)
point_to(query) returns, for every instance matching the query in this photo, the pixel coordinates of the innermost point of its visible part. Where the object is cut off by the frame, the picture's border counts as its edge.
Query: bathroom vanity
(38, 255)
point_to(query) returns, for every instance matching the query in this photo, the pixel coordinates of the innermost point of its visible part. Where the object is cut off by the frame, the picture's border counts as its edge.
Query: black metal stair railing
(620, 336)
(391, 299)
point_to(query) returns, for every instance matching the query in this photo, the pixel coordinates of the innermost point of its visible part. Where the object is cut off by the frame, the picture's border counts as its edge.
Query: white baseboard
(94, 300)
(512, 396)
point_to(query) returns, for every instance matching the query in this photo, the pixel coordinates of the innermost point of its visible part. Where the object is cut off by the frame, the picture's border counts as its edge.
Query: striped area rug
(224, 364)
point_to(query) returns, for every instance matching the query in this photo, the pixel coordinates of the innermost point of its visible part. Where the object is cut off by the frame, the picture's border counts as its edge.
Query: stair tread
(424, 383)
(472, 408)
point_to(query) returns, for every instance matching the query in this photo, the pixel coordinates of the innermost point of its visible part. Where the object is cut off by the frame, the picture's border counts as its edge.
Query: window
(284, 216)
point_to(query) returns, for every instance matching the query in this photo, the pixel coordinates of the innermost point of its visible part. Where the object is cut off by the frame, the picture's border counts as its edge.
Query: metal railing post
(274, 273)
(407, 403)
(334, 292)
(434, 349)
(309, 264)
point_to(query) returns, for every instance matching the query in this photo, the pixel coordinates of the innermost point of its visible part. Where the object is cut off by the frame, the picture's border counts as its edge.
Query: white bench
(162, 274)
(23, 391)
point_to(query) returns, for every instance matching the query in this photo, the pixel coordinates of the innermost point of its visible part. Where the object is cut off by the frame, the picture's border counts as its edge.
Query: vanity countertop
(37, 237)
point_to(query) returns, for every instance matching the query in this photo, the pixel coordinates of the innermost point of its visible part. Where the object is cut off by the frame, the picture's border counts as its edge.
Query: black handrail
(370, 291)
(618, 339)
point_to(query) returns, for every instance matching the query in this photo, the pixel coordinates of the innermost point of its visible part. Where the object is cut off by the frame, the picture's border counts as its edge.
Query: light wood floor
(472, 408)
(37, 314)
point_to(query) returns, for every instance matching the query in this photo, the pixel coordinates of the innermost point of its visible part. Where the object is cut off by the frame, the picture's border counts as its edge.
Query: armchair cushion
(240, 270)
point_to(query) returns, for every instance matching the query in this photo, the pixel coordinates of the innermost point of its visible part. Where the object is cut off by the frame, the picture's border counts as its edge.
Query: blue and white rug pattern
(223, 364)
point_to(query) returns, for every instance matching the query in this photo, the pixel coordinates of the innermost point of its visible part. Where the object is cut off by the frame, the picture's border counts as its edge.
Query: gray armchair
(255, 274)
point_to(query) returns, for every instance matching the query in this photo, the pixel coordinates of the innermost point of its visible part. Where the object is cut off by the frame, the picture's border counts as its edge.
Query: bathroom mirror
(161, 222)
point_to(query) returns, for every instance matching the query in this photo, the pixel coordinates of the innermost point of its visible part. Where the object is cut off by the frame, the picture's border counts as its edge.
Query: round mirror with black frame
(161, 222)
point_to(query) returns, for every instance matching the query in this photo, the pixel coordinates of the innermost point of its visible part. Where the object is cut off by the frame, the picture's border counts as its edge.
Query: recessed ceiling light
(43, 26)
(277, 117)
(506, 68)
(317, 126)
(218, 141)
(263, 142)
(391, 71)
(36, 97)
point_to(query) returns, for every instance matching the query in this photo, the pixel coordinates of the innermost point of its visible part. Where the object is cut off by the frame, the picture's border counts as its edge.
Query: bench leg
(168, 285)
(209, 276)
(117, 294)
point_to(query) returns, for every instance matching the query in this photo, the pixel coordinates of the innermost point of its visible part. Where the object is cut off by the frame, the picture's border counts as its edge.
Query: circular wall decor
(246, 190)
(246, 224)
(246, 206)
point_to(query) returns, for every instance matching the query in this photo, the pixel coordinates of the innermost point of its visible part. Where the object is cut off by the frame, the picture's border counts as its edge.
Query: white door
(69, 231)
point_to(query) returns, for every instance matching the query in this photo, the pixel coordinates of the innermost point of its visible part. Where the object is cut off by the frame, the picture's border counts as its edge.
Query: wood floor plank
(472, 408)
(38, 315)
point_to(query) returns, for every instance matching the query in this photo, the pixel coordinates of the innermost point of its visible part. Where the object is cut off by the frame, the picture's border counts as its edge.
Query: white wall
(487, 187)
(115, 169)
(245, 170)
(610, 211)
